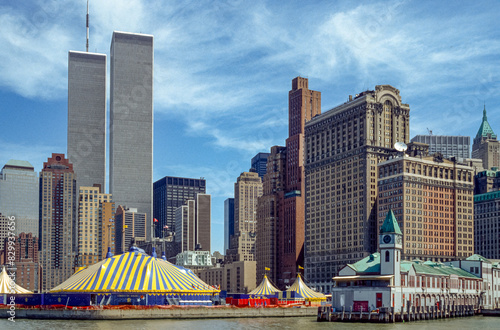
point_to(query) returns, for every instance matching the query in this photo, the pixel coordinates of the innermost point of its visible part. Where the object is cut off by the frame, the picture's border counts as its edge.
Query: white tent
(9, 286)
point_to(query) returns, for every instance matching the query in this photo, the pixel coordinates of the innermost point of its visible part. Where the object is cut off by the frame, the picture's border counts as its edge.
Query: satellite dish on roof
(400, 146)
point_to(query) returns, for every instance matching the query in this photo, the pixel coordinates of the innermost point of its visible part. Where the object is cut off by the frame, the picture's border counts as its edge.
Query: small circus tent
(265, 288)
(303, 291)
(9, 287)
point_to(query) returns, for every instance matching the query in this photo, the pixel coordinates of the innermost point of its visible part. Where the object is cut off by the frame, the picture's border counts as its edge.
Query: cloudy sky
(223, 70)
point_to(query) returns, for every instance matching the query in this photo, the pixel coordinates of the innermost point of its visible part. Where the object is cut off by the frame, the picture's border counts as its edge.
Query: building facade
(342, 149)
(87, 117)
(19, 195)
(486, 181)
(486, 146)
(169, 194)
(58, 221)
(259, 163)
(487, 224)
(129, 223)
(447, 145)
(228, 222)
(432, 200)
(131, 123)
(28, 269)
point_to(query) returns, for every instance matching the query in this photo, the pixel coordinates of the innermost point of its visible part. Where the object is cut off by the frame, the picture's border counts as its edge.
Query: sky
(223, 69)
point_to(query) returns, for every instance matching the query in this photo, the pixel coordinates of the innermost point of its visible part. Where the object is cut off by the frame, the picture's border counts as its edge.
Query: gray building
(259, 163)
(486, 228)
(447, 145)
(87, 117)
(192, 223)
(131, 122)
(19, 195)
(128, 224)
(228, 222)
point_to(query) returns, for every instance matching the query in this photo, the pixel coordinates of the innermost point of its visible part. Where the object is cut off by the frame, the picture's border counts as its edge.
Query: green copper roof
(18, 163)
(390, 224)
(485, 128)
(478, 257)
(368, 265)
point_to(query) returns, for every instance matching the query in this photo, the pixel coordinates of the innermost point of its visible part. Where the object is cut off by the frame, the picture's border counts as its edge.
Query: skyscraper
(342, 149)
(259, 163)
(57, 221)
(449, 146)
(228, 222)
(192, 223)
(19, 195)
(131, 122)
(87, 117)
(486, 146)
(128, 224)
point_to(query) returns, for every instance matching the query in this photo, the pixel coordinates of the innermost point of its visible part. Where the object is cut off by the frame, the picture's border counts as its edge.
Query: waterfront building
(95, 225)
(131, 123)
(239, 276)
(87, 117)
(57, 226)
(169, 194)
(487, 224)
(432, 199)
(342, 149)
(129, 223)
(486, 146)
(259, 163)
(19, 195)
(447, 145)
(28, 271)
(228, 222)
(192, 221)
(266, 241)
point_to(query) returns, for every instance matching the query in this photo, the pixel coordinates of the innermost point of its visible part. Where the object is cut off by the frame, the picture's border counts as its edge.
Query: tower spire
(87, 26)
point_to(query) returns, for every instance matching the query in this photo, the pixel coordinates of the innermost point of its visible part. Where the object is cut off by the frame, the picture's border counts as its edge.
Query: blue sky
(223, 70)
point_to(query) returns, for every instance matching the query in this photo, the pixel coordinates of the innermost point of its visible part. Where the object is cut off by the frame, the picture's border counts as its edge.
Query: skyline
(223, 71)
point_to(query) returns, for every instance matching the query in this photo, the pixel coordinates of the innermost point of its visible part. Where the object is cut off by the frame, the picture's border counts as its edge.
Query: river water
(306, 323)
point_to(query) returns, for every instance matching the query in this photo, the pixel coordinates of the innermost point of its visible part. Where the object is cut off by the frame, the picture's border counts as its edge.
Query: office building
(129, 223)
(87, 117)
(57, 226)
(487, 181)
(131, 123)
(432, 201)
(343, 147)
(228, 222)
(259, 163)
(486, 146)
(487, 225)
(19, 195)
(169, 194)
(27, 272)
(447, 145)
(192, 223)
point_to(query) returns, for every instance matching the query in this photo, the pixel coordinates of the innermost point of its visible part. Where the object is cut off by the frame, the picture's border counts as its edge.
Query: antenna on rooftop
(87, 26)
(429, 131)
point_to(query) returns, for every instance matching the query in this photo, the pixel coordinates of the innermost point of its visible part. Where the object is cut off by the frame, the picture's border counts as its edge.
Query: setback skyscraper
(131, 123)
(486, 146)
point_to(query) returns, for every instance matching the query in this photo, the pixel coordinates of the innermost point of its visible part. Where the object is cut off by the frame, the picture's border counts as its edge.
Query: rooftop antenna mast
(87, 26)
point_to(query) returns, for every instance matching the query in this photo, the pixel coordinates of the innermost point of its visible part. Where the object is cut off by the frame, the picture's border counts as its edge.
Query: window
(387, 256)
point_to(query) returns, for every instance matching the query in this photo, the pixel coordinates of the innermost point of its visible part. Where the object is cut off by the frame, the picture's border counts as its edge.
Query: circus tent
(265, 288)
(5, 284)
(302, 290)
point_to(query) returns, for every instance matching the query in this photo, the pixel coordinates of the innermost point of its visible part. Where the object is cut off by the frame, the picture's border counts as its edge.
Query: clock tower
(391, 245)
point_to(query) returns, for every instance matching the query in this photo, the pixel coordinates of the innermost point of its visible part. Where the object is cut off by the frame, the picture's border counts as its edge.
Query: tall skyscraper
(192, 223)
(342, 149)
(259, 163)
(19, 195)
(247, 190)
(129, 223)
(169, 194)
(449, 146)
(57, 221)
(87, 117)
(131, 122)
(228, 222)
(486, 146)
(303, 105)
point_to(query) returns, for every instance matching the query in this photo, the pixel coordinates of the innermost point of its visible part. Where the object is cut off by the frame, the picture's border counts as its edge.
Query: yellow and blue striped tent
(135, 272)
(265, 288)
(304, 291)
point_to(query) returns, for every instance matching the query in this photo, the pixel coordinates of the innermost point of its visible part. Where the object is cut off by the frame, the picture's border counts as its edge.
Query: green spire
(390, 224)
(485, 129)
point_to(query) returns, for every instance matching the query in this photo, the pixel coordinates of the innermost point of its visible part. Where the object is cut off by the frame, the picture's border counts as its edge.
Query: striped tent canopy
(135, 272)
(5, 284)
(265, 288)
(304, 291)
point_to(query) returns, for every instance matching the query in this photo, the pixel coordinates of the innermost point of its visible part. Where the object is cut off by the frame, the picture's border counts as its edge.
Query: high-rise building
(259, 163)
(266, 242)
(131, 123)
(486, 226)
(432, 200)
(247, 189)
(129, 223)
(228, 222)
(192, 223)
(95, 222)
(303, 105)
(19, 195)
(169, 194)
(87, 117)
(487, 181)
(57, 226)
(343, 147)
(447, 145)
(28, 269)
(486, 146)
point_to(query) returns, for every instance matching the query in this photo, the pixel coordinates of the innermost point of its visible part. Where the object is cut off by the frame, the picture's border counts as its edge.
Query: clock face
(387, 239)
(399, 239)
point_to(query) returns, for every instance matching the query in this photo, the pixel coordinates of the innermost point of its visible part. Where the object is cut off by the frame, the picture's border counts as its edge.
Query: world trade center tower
(131, 123)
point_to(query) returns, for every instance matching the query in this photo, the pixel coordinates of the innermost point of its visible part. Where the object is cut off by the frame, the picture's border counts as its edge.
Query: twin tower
(130, 120)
